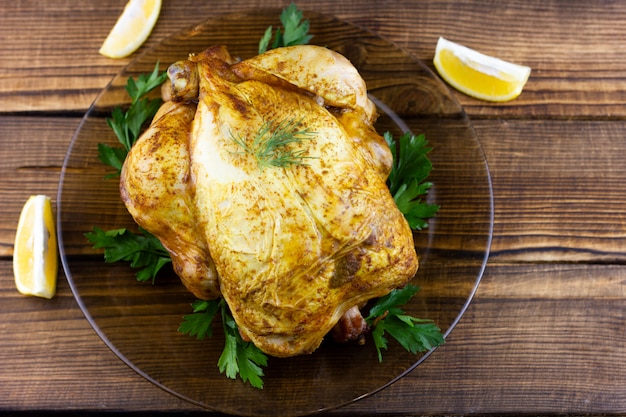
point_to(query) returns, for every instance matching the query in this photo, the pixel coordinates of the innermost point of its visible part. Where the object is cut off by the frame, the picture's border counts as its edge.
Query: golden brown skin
(317, 70)
(294, 247)
(157, 188)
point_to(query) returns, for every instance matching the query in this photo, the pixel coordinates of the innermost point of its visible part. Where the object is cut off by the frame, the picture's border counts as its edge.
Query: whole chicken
(265, 180)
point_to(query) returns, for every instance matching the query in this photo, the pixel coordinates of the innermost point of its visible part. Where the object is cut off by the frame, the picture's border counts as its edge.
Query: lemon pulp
(132, 28)
(478, 75)
(35, 251)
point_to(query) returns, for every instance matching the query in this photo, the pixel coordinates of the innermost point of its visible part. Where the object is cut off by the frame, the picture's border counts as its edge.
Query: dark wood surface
(546, 331)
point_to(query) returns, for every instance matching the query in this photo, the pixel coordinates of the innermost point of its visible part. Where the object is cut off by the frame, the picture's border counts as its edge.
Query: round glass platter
(139, 320)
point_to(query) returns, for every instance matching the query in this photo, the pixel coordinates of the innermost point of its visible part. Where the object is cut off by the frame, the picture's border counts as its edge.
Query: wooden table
(546, 330)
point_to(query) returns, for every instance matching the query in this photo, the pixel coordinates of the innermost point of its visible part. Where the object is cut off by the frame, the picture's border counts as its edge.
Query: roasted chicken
(296, 235)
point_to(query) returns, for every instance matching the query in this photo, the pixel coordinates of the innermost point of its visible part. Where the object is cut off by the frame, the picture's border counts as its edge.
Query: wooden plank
(497, 360)
(580, 43)
(539, 338)
(573, 48)
(51, 358)
(32, 150)
(578, 167)
(570, 179)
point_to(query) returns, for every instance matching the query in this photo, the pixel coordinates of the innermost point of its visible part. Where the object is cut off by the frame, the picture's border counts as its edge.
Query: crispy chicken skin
(292, 249)
(158, 192)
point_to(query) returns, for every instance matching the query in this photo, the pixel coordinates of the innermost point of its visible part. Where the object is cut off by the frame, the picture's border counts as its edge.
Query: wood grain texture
(546, 331)
(551, 228)
(575, 48)
(331, 376)
(558, 341)
(570, 177)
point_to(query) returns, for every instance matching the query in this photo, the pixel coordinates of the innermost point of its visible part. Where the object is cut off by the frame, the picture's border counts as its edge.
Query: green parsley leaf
(145, 83)
(265, 40)
(144, 251)
(112, 156)
(414, 334)
(227, 362)
(117, 122)
(239, 357)
(407, 179)
(199, 323)
(127, 125)
(380, 341)
(294, 31)
(392, 301)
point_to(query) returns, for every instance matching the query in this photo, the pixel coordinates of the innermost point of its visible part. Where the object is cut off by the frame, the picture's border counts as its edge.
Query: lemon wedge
(478, 75)
(35, 251)
(132, 28)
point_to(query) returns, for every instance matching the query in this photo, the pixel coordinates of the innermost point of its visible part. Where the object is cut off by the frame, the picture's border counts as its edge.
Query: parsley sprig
(387, 317)
(128, 124)
(407, 180)
(271, 146)
(143, 250)
(238, 357)
(295, 31)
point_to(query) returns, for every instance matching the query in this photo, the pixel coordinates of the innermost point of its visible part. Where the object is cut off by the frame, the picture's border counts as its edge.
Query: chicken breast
(287, 193)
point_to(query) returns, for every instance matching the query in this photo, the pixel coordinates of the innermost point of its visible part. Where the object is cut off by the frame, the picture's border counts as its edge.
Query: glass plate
(139, 321)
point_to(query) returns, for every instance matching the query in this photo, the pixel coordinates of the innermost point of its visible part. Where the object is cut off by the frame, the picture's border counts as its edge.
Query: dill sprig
(271, 145)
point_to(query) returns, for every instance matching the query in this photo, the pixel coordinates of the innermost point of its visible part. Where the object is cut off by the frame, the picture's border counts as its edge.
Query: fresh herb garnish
(407, 180)
(128, 125)
(144, 251)
(415, 335)
(238, 357)
(198, 323)
(271, 146)
(294, 32)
